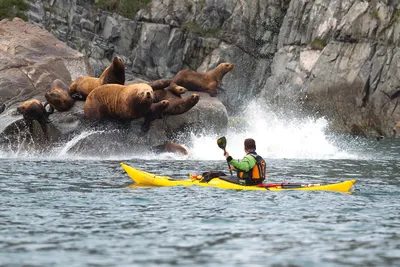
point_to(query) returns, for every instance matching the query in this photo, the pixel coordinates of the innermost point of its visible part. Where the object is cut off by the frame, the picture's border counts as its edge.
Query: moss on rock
(13, 8)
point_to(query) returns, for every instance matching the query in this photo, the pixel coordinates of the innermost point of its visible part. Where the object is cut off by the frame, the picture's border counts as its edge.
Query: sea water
(61, 209)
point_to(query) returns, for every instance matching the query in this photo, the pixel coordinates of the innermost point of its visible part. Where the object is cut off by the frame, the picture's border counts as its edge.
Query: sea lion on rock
(154, 113)
(177, 104)
(203, 82)
(171, 147)
(160, 84)
(33, 110)
(181, 105)
(114, 101)
(58, 97)
(113, 74)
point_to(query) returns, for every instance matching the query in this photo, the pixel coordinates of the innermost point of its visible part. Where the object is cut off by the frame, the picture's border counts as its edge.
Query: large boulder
(31, 59)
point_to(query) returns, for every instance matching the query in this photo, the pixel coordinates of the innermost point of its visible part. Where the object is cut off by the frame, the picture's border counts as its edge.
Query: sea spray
(277, 135)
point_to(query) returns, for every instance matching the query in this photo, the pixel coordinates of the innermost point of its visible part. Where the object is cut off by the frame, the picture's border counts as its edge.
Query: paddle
(222, 144)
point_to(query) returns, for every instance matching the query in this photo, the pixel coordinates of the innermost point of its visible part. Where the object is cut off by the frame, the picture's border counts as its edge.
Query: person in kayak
(251, 169)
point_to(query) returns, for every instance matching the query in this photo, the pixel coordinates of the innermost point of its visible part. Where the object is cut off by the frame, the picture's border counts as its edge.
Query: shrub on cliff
(13, 8)
(127, 8)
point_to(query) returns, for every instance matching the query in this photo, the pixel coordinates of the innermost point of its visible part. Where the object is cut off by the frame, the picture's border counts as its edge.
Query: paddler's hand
(231, 168)
(226, 154)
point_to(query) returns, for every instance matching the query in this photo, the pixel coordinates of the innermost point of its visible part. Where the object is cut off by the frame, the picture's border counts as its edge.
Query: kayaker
(251, 169)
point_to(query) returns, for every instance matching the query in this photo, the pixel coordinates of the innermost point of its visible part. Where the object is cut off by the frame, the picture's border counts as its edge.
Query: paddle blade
(222, 142)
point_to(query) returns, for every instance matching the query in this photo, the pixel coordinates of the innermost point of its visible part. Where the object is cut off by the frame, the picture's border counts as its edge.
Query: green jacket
(245, 165)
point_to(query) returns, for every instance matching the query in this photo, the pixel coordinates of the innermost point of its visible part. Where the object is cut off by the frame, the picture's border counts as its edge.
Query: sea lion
(160, 84)
(203, 82)
(114, 101)
(154, 113)
(113, 74)
(171, 147)
(181, 105)
(175, 148)
(34, 110)
(58, 97)
(177, 104)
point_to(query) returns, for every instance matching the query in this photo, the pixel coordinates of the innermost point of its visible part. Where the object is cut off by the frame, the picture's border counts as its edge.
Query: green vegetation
(188, 5)
(202, 3)
(13, 8)
(49, 9)
(195, 28)
(318, 44)
(127, 8)
(396, 15)
(374, 13)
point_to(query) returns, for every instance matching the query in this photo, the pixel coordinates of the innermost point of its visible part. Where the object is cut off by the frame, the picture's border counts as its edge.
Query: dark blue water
(69, 212)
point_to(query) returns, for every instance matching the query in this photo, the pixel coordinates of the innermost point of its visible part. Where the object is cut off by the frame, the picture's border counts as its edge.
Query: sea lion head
(33, 110)
(225, 67)
(59, 99)
(144, 93)
(117, 61)
(28, 106)
(145, 96)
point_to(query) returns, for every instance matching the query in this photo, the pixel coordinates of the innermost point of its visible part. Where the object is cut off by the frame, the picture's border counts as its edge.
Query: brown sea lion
(181, 105)
(171, 147)
(175, 148)
(154, 113)
(160, 84)
(113, 74)
(176, 89)
(58, 97)
(34, 110)
(114, 101)
(177, 104)
(203, 82)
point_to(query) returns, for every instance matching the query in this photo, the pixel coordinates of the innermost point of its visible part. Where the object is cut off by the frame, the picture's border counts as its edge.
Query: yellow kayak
(143, 178)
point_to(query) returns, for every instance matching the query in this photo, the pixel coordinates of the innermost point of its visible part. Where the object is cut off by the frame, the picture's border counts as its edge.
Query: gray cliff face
(168, 36)
(341, 56)
(337, 58)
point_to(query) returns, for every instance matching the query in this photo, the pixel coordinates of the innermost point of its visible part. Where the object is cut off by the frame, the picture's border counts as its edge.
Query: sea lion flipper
(78, 96)
(51, 108)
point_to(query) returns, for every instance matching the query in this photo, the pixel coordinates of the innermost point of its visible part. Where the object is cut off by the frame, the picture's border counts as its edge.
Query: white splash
(62, 151)
(276, 135)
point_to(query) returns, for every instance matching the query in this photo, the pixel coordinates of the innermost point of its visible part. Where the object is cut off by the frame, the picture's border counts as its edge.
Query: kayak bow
(142, 178)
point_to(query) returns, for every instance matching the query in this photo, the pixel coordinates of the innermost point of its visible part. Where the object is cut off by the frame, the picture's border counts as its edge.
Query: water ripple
(80, 213)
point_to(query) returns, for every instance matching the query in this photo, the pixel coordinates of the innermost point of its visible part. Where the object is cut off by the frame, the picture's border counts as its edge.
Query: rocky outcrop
(168, 36)
(335, 58)
(32, 59)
